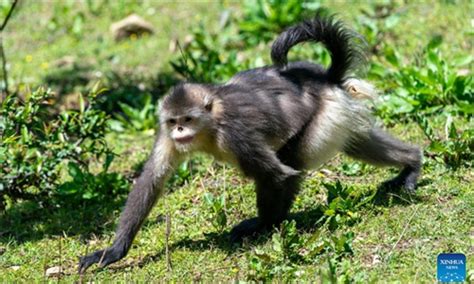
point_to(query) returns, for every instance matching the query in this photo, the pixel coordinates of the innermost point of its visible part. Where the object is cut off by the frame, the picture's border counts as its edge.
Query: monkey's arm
(148, 187)
(273, 180)
(256, 159)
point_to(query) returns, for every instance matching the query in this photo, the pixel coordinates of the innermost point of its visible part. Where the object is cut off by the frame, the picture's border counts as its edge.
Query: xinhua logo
(451, 267)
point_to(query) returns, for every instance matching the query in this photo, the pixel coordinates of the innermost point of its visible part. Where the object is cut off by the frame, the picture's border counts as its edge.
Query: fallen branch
(167, 238)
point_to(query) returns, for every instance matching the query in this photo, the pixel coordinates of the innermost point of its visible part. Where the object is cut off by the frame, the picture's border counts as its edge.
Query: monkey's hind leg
(380, 148)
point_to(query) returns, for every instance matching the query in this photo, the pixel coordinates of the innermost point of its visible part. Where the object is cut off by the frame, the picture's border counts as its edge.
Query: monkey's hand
(103, 257)
(406, 180)
(287, 172)
(397, 183)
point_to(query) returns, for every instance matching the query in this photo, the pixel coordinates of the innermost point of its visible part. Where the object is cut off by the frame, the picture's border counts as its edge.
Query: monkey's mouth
(185, 139)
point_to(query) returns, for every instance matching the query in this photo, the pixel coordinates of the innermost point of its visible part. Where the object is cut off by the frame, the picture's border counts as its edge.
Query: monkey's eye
(172, 121)
(188, 119)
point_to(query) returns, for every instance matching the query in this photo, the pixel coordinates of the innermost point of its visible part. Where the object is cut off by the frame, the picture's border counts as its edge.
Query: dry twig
(2, 51)
(167, 235)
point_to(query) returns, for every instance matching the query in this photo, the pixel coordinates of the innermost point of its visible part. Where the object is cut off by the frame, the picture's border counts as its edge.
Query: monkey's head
(186, 115)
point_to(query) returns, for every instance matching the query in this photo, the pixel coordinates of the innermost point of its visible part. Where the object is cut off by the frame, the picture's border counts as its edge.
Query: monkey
(272, 123)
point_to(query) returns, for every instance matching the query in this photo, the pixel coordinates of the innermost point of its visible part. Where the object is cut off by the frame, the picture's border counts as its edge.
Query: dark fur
(340, 42)
(139, 203)
(382, 149)
(266, 113)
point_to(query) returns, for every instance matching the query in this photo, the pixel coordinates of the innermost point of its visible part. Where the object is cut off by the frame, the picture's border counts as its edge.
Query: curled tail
(346, 54)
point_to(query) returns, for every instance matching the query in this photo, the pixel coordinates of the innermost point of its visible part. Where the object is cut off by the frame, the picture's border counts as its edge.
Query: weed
(181, 175)
(431, 85)
(34, 146)
(203, 61)
(264, 19)
(455, 149)
(289, 250)
(217, 210)
(136, 119)
(343, 202)
(87, 186)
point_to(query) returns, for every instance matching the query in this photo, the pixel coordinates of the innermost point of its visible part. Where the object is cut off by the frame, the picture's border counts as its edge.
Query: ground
(395, 237)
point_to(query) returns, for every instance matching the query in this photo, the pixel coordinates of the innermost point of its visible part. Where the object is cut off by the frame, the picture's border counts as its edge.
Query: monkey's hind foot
(247, 228)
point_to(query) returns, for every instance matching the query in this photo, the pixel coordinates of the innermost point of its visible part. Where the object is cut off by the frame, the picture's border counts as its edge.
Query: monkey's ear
(208, 101)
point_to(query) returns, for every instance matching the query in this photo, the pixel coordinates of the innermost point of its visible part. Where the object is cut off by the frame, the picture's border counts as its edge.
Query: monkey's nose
(180, 129)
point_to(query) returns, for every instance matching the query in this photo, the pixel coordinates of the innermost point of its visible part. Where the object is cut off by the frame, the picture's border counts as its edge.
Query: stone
(53, 271)
(131, 25)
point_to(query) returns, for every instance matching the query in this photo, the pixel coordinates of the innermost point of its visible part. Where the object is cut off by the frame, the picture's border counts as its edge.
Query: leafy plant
(288, 250)
(263, 19)
(280, 259)
(353, 168)
(455, 149)
(35, 145)
(87, 186)
(431, 84)
(137, 119)
(376, 22)
(343, 204)
(203, 60)
(217, 210)
(182, 174)
(287, 242)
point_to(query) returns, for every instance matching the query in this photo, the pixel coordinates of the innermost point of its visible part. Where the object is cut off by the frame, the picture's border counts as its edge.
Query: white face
(183, 131)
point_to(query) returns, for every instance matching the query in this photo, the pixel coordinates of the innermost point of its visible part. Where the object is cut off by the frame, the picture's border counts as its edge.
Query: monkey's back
(272, 103)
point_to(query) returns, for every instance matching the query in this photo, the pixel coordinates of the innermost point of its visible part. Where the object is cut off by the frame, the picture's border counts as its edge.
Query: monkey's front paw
(246, 228)
(88, 260)
(103, 257)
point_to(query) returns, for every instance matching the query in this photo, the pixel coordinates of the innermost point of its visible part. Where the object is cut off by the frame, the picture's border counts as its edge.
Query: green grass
(396, 240)
(397, 236)
(32, 41)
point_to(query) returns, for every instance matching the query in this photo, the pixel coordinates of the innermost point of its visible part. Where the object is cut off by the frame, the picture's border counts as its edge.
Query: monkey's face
(186, 116)
(188, 129)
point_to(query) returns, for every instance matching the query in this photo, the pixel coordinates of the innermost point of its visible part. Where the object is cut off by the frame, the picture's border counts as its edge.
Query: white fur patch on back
(360, 89)
(332, 127)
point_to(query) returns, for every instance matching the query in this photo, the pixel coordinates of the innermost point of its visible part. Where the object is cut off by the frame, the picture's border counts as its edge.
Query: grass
(397, 236)
(392, 240)
(40, 45)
